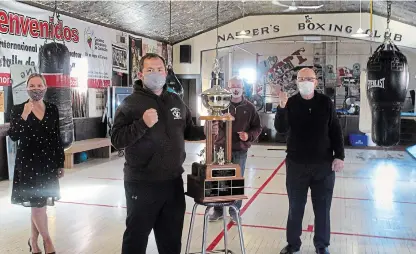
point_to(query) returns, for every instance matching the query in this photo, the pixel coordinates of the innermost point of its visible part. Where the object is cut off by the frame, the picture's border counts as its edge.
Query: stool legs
(240, 231)
(224, 211)
(204, 234)
(191, 228)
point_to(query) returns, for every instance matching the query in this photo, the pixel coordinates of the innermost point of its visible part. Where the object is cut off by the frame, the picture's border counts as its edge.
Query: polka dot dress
(40, 155)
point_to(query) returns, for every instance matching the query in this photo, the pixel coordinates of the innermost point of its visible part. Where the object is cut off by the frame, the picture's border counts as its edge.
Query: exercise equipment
(387, 84)
(55, 66)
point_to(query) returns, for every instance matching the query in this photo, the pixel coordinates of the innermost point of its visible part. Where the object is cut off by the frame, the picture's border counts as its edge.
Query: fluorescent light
(360, 34)
(242, 35)
(249, 74)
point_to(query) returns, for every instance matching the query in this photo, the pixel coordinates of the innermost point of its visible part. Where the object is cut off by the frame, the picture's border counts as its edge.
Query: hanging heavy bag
(387, 83)
(55, 66)
(173, 83)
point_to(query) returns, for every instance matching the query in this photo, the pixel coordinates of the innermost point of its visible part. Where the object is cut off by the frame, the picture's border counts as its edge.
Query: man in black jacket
(151, 125)
(315, 151)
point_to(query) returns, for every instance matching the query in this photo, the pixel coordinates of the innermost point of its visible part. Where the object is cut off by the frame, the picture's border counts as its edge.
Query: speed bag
(55, 66)
(387, 84)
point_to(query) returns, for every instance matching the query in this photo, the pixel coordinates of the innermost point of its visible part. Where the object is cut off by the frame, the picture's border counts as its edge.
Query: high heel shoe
(44, 246)
(30, 247)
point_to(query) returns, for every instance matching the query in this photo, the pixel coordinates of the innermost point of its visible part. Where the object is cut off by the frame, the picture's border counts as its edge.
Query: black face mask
(36, 94)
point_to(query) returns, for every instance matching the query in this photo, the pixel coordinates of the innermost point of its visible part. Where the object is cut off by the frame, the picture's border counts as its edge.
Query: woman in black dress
(39, 160)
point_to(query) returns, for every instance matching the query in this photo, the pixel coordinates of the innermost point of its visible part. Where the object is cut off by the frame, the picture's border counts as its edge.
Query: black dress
(40, 155)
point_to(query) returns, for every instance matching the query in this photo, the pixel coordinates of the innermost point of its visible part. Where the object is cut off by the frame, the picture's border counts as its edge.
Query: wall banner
(135, 53)
(24, 29)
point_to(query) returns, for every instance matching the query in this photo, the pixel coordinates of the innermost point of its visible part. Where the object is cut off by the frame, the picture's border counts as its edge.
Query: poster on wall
(120, 45)
(160, 49)
(19, 75)
(119, 58)
(100, 100)
(150, 46)
(165, 53)
(169, 52)
(279, 73)
(1, 101)
(135, 47)
(89, 45)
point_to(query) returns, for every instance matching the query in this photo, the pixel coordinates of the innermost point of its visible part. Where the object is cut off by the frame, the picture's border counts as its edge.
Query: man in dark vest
(152, 125)
(315, 151)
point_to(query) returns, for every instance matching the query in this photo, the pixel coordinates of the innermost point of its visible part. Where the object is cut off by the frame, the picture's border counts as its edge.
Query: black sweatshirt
(314, 132)
(156, 153)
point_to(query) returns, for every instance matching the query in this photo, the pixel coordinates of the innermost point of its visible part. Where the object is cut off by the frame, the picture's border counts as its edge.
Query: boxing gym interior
(363, 54)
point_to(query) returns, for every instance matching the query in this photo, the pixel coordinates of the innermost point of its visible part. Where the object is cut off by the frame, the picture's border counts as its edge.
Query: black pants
(321, 179)
(154, 205)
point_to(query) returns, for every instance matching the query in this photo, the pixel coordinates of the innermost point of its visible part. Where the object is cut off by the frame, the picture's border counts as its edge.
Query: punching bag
(173, 83)
(387, 83)
(55, 66)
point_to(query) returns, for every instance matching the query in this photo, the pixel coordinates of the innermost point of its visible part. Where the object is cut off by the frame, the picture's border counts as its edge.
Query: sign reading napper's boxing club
(309, 26)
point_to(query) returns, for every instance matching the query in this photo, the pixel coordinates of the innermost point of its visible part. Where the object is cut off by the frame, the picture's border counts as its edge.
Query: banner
(24, 29)
(135, 53)
(19, 75)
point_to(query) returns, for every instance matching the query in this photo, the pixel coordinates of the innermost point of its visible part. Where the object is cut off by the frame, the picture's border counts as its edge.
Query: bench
(99, 147)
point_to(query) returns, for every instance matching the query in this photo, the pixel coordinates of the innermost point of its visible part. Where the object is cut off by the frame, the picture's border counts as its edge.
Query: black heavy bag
(387, 83)
(55, 66)
(173, 83)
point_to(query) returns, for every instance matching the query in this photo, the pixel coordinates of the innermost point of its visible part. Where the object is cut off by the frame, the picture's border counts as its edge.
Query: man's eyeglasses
(306, 79)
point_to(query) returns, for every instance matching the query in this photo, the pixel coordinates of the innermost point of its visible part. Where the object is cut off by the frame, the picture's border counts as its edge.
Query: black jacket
(157, 153)
(246, 119)
(313, 131)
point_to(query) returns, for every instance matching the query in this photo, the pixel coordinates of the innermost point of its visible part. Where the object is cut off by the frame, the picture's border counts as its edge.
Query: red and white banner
(24, 29)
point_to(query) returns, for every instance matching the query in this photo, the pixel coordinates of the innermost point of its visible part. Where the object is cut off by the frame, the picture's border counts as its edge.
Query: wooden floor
(373, 209)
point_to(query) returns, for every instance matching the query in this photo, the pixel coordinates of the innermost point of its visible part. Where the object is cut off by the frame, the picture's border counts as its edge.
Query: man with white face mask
(152, 125)
(245, 129)
(315, 151)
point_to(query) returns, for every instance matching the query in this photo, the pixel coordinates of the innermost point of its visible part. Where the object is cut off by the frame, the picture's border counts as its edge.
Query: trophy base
(216, 172)
(224, 189)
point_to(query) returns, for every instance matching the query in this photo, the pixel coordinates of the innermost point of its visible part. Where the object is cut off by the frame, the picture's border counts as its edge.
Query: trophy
(216, 178)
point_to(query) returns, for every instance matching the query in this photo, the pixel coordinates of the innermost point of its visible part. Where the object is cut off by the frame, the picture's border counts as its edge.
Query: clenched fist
(150, 117)
(243, 135)
(27, 110)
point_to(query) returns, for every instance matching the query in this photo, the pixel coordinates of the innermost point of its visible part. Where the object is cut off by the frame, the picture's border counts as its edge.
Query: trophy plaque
(216, 179)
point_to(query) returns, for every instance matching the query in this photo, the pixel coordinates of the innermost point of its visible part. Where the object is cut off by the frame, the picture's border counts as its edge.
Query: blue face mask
(154, 81)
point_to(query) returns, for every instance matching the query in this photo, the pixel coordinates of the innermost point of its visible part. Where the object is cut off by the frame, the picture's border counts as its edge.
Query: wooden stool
(224, 205)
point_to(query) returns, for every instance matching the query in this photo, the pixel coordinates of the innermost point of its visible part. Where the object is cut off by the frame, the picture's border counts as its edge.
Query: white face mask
(306, 87)
(154, 81)
(236, 92)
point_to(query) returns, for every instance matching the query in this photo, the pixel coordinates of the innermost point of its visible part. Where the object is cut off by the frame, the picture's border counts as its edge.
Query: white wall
(288, 26)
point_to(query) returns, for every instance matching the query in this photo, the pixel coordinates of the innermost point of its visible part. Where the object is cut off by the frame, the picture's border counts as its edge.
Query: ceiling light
(242, 35)
(360, 34)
